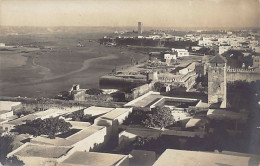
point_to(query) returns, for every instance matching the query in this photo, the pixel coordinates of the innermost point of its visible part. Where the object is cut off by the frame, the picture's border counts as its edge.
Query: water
(57, 63)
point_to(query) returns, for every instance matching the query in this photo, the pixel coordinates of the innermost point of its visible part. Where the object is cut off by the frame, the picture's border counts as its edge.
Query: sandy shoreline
(46, 72)
(86, 64)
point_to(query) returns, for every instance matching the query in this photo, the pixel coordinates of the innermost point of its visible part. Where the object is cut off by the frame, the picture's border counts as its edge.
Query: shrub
(158, 86)
(94, 91)
(50, 127)
(159, 117)
(6, 146)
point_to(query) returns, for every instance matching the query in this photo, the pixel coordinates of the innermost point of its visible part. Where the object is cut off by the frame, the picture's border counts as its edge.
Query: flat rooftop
(54, 112)
(151, 99)
(93, 158)
(145, 101)
(45, 151)
(182, 157)
(22, 119)
(79, 125)
(115, 113)
(95, 111)
(141, 131)
(69, 141)
(84, 133)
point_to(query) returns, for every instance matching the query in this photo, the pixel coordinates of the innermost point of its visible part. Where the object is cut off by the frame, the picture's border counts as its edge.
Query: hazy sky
(160, 13)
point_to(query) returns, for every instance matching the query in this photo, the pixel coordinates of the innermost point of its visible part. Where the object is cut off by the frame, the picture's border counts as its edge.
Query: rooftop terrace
(93, 158)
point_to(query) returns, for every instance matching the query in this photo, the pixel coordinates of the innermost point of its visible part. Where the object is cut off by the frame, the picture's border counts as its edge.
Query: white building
(180, 52)
(170, 56)
(205, 42)
(196, 48)
(222, 49)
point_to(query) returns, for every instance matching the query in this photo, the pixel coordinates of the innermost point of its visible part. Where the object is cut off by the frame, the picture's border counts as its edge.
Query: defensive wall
(243, 74)
(188, 80)
(139, 91)
(119, 82)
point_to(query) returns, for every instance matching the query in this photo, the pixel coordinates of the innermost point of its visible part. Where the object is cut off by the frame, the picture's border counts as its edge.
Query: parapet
(239, 70)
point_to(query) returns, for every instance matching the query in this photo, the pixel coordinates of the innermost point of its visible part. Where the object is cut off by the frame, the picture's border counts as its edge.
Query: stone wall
(243, 74)
(217, 84)
(139, 91)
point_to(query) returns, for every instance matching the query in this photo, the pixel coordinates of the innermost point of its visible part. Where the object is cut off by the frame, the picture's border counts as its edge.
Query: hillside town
(194, 100)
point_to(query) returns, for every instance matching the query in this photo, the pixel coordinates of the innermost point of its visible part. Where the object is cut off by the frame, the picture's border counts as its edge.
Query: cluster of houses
(226, 42)
(65, 150)
(82, 147)
(168, 57)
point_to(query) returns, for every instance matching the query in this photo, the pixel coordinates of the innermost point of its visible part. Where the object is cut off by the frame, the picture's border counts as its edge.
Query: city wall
(139, 91)
(243, 74)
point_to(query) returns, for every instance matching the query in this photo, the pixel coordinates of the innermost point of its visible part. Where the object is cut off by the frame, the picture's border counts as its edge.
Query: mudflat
(43, 65)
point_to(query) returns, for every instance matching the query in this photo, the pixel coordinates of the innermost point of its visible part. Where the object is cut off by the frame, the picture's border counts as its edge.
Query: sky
(117, 13)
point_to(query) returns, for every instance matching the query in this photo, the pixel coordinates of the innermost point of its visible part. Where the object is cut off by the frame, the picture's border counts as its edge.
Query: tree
(94, 91)
(136, 117)
(79, 116)
(65, 95)
(159, 117)
(203, 79)
(50, 127)
(14, 161)
(6, 146)
(158, 86)
(235, 59)
(118, 96)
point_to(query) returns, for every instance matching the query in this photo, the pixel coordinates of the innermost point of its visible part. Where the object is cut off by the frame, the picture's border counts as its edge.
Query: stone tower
(217, 85)
(140, 30)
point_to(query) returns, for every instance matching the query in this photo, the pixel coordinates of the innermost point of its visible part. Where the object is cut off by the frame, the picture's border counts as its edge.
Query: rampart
(243, 74)
(139, 91)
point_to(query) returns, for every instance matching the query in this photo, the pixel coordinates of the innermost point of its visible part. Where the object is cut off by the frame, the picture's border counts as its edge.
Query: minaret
(217, 84)
(140, 31)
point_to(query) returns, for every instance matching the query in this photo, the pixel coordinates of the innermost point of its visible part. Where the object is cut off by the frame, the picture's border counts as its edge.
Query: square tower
(140, 31)
(217, 84)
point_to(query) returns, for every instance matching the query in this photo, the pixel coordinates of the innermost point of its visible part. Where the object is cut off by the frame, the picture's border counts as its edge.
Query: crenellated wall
(243, 74)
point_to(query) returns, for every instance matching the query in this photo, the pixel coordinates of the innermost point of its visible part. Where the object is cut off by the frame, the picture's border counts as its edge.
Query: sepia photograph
(130, 82)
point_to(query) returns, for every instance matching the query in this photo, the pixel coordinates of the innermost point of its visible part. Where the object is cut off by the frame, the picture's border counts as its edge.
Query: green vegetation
(206, 51)
(50, 127)
(159, 117)
(23, 111)
(64, 95)
(6, 146)
(79, 116)
(13, 160)
(158, 86)
(203, 80)
(94, 91)
(241, 93)
(235, 59)
(118, 96)
(202, 83)
(137, 116)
